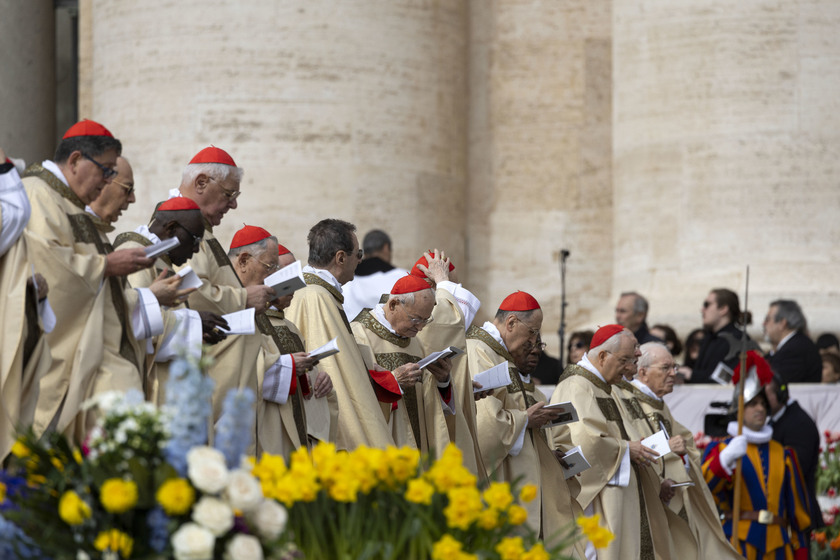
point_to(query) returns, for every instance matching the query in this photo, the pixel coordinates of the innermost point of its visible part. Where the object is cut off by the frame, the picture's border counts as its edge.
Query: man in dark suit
(794, 357)
(792, 427)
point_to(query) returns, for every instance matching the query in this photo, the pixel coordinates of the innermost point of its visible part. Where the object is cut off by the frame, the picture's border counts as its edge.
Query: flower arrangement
(825, 543)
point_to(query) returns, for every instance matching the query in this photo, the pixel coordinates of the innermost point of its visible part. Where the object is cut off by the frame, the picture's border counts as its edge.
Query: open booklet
(450, 352)
(161, 247)
(658, 442)
(493, 378)
(286, 280)
(240, 322)
(568, 414)
(575, 461)
(189, 279)
(325, 351)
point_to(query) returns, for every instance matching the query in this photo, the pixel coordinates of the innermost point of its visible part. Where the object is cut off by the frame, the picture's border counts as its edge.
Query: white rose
(244, 547)
(213, 514)
(244, 491)
(270, 519)
(206, 469)
(193, 542)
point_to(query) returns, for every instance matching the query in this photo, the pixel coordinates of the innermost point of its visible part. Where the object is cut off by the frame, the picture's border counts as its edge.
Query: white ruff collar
(762, 436)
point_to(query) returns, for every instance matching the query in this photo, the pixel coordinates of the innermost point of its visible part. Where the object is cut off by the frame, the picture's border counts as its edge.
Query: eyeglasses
(707, 303)
(268, 267)
(534, 332)
(623, 361)
(230, 195)
(579, 344)
(416, 321)
(196, 238)
(541, 346)
(107, 172)
(128, 190)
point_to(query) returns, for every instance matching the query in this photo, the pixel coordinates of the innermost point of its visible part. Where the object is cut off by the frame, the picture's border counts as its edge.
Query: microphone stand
(564, 254)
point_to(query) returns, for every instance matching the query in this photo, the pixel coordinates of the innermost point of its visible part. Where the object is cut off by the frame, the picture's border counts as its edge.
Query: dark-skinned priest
(510, 420)
(318, 312)
(390, 330)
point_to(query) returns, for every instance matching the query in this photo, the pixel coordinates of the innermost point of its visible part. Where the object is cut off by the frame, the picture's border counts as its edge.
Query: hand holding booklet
(658, 442)
(161, 247)
(325, 351)
(568, 414)
(493, 378)
(286, 280)
(450, 352)
(189, 279)
(240, 322)
(575, 462)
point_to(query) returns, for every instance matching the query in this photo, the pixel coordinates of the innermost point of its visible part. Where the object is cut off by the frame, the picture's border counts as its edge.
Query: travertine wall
(352, 109)
(727, 137)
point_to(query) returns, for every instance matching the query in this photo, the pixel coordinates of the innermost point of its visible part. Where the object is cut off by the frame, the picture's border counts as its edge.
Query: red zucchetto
(603, 334)
(87, 128)
(422, 260)
(248, 235)
(178, 203)
(519, 301)
(282, 250)
(212, 154)
(408, 285)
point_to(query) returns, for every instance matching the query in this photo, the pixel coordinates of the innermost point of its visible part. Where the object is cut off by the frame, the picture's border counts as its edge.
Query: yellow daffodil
(536, 553)
(464, 507)
(72, 509)
(601, 538)
(498, 495)
(20, 449)
(528, 493)
(114, 541)
(446, 548)
(176, 496)
(118, 495)
(517, 515)
(510, 548)
(489, 519)
(588, 524)
(419, 491)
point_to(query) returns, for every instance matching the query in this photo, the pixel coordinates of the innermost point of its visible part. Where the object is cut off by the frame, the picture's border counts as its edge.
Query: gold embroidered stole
(315, 280)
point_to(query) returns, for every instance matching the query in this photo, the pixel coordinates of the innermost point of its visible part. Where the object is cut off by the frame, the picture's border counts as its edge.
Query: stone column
(727, 153)
(353, 110)
(27, 79)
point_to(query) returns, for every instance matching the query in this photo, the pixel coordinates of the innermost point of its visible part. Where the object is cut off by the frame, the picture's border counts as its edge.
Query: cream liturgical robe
(449, 328)
(513, 452)
(317, 311)
(694, 504)
(418, 420)
(93, 346)
(610, 487)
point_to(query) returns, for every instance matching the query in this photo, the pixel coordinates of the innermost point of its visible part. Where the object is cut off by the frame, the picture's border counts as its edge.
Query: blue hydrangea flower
(188, 394)
(235, 427)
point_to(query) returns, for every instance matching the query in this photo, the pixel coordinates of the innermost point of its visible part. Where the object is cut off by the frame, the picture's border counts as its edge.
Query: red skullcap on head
(87, 128)
(519, 301)
(282, 250)
(603, 334)
(248, 235)
(408, 285)
(178, 203)
(422, 260)
(213, 154)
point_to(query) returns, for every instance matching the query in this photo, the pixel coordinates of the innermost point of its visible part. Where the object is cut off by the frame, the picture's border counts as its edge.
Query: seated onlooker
(692, 347)
(830, 368)
(578, 345)
(669, 337)
(828, 343)
(794, 356)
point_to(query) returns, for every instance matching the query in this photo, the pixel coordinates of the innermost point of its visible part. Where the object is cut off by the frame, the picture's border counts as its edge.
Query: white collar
(762, 436)
(379, 313)
(785, 339)
(175, 193)
(53, 168)
(645, 389)
(146, 232)
(781, 411)
(494, 332)
(90, 211)
(589, 366)
(325, 275)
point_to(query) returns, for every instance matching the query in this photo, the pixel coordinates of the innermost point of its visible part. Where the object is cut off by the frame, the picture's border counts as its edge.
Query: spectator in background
(631, 313)
(375, 275)
(548, 368)
(693, 342)
(794, 356)
(721, 314)
(578, 345)
(828, 343)
(669, 337)
(830, 368)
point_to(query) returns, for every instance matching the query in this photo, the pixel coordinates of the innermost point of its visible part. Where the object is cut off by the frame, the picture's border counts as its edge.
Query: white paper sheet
(162, 247)
(658, 442)
(286, 280)
(493, 378)
(189, 279)
(568, 414)
(240, 322)
(325, 351)
(451, 352)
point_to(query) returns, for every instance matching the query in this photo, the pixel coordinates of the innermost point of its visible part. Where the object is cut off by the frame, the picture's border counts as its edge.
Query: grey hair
(610, 345)
(218, 171)
(790, 311)
(646, 359)
(254, 249)
(502, 315)
(409, 298)
(640, 304)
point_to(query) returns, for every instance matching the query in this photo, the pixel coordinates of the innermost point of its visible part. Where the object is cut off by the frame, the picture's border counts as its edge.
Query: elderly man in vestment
(693, 504)
(24, 309)
(115, 198)
(317, 419)
(184, 329)
(510, 420)
(610, 487)
(317, 311)
(773, 517)
(95, 344)
(390, 330)
(453, 313)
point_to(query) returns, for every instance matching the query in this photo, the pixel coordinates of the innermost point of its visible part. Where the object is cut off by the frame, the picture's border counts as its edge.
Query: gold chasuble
(418, 420)
(601, 435)
(501, 419)
(24, 353)
(317, 311)
(447, 329)
(93, 345)
(694, 503)
(221, 292)
(670, 533)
